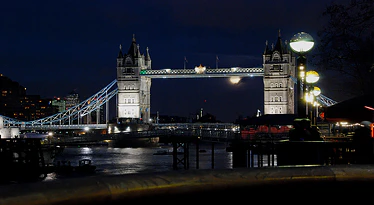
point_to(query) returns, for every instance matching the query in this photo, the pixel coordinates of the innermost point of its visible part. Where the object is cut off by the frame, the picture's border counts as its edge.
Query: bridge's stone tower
(134, 91)
(279, 72)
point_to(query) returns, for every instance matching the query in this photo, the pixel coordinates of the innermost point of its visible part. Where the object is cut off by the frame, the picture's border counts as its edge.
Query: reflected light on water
(86, 150)
(116, 161)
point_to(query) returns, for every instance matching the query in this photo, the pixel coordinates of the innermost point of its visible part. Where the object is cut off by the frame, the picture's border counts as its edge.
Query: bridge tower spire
(133, 98)
(279, 69)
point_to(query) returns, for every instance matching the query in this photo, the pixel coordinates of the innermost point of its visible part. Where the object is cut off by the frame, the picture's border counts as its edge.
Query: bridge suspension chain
(85, 107)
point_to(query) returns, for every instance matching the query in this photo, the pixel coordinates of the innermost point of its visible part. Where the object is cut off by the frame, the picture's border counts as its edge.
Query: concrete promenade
(341, 184)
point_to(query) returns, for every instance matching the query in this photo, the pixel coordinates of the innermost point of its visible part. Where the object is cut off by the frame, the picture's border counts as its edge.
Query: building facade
(134, 91)
(279, 71)
(71, 100)
(15, 103)
(59, 103)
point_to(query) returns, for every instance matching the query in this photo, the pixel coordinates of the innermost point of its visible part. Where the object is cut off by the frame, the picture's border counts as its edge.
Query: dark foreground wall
(292, 185)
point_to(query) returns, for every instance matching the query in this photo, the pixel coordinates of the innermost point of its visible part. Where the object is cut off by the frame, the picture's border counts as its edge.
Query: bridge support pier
(184, 160)
(239, 154)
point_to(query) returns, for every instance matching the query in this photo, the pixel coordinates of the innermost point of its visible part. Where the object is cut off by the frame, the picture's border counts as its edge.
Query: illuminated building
(134, 91)
(15, 103)
(71, 100)
(59, 103)
(279, 72)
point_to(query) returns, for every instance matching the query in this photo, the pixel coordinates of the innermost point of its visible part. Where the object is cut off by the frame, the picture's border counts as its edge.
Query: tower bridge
(132, 89)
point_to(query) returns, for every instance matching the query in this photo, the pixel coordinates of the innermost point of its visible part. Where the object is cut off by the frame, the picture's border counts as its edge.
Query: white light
(301, 42)
(200, 69)
(309, 98)
(312, 76)
(302, 46)
(235, 79)
(233, 69)
(168, 70)
(86, 128)
(316, 91)
(302, 74)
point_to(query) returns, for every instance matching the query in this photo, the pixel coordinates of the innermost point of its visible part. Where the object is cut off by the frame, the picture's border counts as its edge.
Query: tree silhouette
(346, 47)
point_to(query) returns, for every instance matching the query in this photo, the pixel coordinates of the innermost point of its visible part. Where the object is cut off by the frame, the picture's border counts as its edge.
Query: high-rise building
(33, 107)
(11, 92)
(15, 103)
(59, 103)
(71, 100)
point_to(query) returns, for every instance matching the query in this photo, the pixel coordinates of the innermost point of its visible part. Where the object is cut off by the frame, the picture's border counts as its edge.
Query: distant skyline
(54, 47)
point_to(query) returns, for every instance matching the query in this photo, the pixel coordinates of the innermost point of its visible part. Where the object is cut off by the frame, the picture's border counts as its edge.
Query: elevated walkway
(343, 184)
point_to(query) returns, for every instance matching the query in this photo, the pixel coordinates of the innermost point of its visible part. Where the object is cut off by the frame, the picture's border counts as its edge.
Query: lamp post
(311, 78)
(316, 93)
(301, 43)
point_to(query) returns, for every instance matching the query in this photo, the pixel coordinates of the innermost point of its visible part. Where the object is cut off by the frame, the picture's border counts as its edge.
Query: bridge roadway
(202, 72)
(47, 127)
(217, 135)
(339, 184)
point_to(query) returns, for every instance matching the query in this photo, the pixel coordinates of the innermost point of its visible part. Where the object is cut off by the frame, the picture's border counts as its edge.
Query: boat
(85, 166)
(161, 152)
(167, 152)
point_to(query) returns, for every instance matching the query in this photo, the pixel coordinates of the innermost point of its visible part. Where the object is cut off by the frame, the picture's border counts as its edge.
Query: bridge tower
(134, 96)
(279, 72)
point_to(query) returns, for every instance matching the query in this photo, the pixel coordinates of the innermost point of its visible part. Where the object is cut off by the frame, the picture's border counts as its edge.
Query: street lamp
(316, 92)
(311, 78)
(301, 43)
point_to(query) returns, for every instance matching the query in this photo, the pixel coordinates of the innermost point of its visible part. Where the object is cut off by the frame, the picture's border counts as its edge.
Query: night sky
(54, 47)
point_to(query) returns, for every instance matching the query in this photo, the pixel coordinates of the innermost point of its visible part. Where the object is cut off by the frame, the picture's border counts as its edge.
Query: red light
(370, 108)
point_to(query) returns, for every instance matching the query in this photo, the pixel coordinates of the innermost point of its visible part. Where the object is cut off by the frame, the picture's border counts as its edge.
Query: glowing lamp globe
(312, 76)
(301, 42)
(316, 91)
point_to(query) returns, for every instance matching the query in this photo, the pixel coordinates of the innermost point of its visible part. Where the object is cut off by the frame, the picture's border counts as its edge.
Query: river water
(118, 161)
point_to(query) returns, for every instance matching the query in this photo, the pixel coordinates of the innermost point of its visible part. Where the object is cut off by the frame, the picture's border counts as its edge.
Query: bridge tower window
(271, 85)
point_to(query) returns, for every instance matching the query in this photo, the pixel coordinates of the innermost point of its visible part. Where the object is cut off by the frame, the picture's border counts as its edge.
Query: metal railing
(272, 152)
